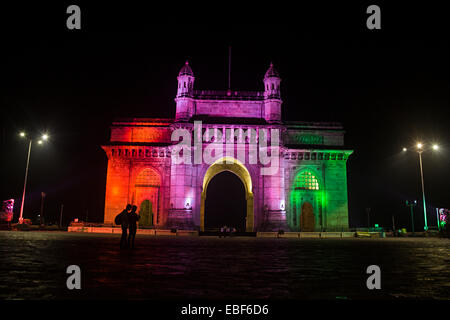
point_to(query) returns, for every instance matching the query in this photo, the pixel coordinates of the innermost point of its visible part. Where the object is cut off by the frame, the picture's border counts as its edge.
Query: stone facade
(307, 192)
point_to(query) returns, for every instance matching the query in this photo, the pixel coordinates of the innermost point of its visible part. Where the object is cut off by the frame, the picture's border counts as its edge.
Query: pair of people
(128, 219)
(226, 231)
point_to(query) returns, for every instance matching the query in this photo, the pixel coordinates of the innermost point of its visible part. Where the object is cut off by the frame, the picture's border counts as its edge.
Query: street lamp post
(419, 151)
(411, 204)
(438, 219)
(22, 134)
(25, 183)
(423, 189)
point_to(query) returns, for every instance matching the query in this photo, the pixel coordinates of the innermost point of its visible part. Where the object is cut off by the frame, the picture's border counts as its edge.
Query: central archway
(225, 203)
(236, 167)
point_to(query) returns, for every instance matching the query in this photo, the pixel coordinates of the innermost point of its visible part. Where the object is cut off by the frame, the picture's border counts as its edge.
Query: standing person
(122, 219)
(133, 218)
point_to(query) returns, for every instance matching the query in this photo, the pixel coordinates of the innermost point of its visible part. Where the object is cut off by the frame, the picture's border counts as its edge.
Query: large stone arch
(236, 167)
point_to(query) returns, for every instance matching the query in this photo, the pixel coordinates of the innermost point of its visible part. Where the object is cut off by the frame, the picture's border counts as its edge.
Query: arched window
(306, 181)
(148, 177)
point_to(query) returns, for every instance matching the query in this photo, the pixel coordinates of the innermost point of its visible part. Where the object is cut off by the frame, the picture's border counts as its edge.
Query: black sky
(388, 87)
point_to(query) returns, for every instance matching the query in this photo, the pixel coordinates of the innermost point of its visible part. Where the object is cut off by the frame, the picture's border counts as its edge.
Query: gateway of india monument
(304, 190)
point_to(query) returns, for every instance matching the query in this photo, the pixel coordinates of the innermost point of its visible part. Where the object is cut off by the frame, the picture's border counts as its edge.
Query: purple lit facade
(308, 192)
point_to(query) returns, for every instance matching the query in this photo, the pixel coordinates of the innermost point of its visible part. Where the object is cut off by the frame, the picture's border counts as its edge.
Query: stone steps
(306, 235)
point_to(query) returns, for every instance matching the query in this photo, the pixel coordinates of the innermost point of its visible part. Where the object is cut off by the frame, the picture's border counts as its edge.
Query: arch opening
(225, 203)
(238, 169)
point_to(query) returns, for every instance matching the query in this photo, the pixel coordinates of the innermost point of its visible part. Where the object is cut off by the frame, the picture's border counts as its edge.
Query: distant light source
(419, 145)
(44, 136)
(40, 142)
(22, 134)
(404, 149)
(376, 225)
(435, 147)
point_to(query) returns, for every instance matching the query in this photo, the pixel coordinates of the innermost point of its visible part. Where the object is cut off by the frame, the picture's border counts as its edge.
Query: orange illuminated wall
(135, 146)
(117, 187)
(141, 131)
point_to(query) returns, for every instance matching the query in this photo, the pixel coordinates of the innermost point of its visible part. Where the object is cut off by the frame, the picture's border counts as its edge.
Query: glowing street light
(404, 149)
(420, 149)
(23, 134)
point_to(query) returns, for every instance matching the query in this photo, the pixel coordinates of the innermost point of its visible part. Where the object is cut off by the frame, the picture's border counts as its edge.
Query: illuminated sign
(444, 215)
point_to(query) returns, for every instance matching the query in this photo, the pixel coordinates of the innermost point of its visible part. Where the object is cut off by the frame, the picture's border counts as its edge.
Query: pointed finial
(271, 72)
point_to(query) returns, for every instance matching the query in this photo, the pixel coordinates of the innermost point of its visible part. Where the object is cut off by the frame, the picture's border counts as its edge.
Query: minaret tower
(272, 97)
(184, 99)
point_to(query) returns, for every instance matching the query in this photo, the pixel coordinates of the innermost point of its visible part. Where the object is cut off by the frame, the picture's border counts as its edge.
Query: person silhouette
(122, 218)
(133, 218)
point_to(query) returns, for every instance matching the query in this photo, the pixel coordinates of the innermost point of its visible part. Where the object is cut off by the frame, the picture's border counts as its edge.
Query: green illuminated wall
(329, 201)
(337, 200)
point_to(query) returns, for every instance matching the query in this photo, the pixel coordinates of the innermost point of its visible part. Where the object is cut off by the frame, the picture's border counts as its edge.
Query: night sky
(389, 88)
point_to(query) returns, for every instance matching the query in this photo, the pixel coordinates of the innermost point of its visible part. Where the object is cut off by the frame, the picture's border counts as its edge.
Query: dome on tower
(186, 70)
(271, 72)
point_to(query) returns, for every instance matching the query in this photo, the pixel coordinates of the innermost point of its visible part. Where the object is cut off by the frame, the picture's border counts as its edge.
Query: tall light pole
(419, 146)
(419, 151)
(25, 183)
(23, 135)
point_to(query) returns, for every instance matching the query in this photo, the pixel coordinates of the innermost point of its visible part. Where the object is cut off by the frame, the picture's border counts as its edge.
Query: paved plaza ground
(33, 266)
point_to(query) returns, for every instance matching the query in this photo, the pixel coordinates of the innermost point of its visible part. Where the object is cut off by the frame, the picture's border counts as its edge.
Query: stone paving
(33, 266)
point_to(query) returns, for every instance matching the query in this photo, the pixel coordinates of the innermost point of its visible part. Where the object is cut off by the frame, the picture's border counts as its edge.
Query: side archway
(147, 196)
(236, 167)
(307, 201)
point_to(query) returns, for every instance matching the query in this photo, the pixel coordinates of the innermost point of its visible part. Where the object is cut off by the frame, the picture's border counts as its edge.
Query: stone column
(275, 200)
(336, 194)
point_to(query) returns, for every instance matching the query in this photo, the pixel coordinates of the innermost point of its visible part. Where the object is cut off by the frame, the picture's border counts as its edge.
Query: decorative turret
(272, 96)
(272, 83)
(185, 81)
(185, 93)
